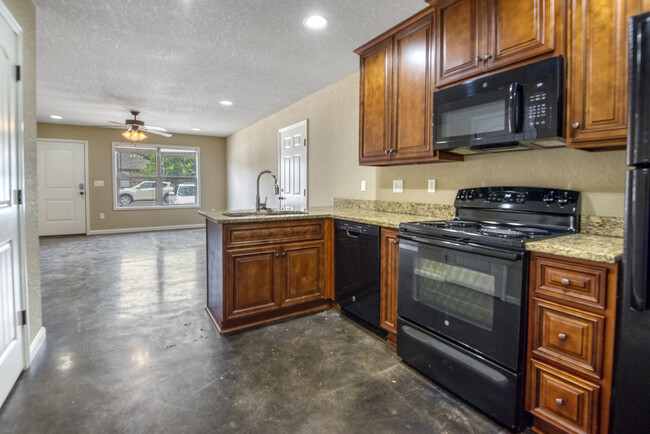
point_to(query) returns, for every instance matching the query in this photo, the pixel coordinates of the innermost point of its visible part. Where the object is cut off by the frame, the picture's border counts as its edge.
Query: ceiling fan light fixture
(134, 136)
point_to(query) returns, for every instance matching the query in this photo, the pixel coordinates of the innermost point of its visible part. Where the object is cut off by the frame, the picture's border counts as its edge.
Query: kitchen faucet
(276, 188)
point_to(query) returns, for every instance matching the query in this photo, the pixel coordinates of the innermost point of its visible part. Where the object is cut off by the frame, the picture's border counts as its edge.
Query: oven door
(471, 294)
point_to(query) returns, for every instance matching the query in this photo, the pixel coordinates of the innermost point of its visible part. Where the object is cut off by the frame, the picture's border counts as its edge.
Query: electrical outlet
(101, 216)
(363, 185)
(398, 186)
(99, 183)
(432, 186)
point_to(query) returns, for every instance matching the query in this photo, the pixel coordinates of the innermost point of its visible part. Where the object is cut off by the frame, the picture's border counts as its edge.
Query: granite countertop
(587, 246)
(379, 218)
(597, 248)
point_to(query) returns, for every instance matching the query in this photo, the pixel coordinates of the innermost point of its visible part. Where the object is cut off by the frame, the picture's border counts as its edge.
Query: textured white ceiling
(174, 60)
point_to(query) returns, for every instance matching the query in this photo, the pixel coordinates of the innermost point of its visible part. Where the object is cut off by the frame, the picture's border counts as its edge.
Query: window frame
(158, 178)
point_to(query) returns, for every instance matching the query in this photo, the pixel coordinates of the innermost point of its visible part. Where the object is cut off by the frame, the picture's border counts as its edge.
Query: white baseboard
(149, 229)
(36, 344)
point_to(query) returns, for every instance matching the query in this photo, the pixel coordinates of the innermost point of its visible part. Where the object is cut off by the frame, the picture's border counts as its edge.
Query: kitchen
(334, 170)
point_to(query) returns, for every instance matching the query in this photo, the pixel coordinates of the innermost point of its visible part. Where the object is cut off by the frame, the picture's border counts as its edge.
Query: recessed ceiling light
(57, 117)
(196, 129)
(226, 103)
(315, 22)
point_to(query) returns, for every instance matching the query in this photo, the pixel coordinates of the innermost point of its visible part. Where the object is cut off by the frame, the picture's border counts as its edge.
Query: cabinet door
(521, 29)
(374, 113)
(250, 281)
(597, 55)
(303, 272)
(412, 91)
(389, 273)
(460, 40)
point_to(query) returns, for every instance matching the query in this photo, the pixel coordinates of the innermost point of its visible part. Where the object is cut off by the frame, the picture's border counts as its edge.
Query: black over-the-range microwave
(522, 108)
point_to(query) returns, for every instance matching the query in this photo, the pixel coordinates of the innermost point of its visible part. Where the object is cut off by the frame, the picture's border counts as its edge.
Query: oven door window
(463, 293)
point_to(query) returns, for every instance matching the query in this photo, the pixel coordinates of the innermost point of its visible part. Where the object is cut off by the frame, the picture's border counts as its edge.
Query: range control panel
(518, 198)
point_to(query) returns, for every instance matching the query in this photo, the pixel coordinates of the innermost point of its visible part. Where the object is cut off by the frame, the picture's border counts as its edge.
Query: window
(155, 176)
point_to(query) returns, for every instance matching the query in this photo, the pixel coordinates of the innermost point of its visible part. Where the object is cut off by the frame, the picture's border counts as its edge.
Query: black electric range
(462, 296)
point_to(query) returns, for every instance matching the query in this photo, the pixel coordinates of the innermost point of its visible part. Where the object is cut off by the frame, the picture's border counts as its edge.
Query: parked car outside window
(186, 194)
(145, 191)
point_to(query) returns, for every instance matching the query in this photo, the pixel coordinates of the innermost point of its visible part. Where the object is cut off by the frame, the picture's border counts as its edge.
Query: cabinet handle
(562, 336)
(565, 281)
(478, 59)
(396, 242)
(575, 125)
(559, 401)
(284, 253)
(277, 255)
(487, 56)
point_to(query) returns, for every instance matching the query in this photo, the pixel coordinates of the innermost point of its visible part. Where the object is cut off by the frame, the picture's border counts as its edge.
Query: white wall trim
(36, 344)
(148, 229)
(86, 175)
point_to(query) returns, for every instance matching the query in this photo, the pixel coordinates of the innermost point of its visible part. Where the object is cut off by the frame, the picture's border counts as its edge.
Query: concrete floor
(130, 349)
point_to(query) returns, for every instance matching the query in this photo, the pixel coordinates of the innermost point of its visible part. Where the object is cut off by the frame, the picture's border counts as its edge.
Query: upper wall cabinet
(477, 36)
(597, 89)
(395, 113)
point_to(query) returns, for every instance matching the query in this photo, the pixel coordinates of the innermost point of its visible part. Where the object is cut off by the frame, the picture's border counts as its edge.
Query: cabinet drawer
(571, 283)
(569, 337)
(240, 235)
(562, 401)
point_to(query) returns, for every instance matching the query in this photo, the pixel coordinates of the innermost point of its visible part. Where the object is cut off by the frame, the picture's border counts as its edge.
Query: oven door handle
(469, 247)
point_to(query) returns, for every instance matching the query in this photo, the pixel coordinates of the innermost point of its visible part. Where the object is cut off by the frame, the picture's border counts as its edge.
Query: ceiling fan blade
(146, 127)
(117, 123)
(160, 133)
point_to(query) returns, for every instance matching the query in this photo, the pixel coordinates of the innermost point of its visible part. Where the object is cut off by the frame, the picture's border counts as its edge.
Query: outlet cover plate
(432, 186)
(363, 185)
(398, 186)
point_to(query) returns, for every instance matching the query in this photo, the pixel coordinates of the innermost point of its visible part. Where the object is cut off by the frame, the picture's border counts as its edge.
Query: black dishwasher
(357, 270)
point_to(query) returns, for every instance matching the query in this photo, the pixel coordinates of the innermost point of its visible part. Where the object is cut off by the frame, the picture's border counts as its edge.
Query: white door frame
(20, 154)
(282, 130)
(87, 192)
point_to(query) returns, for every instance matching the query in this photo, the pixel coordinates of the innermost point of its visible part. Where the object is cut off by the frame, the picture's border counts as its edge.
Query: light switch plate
(432, 186)
(101, 215)
(398, 186)
(99, 183)
(363, 185)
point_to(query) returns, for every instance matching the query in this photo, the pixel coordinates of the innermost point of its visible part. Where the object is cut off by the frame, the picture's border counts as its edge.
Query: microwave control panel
(538, 104)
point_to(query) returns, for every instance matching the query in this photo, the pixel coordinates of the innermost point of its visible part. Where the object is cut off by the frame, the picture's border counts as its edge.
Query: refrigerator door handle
(637, 232)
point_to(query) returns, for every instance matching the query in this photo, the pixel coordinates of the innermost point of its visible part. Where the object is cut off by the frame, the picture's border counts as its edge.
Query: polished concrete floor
(130, 349)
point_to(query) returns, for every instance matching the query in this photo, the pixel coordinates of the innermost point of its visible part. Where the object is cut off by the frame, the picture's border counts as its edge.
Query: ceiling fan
(136, 128)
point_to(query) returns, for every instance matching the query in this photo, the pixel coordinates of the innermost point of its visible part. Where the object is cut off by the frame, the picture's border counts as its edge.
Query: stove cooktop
(509, 235)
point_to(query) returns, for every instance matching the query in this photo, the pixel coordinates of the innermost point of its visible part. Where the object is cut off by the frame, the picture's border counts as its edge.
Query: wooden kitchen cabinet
(478, 36)
(597, 51)
(259, 272)
(396, 91)
(389, 273)
(572, 310)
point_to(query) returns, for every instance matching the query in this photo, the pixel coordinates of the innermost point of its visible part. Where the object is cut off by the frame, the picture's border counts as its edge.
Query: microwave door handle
(514, 109)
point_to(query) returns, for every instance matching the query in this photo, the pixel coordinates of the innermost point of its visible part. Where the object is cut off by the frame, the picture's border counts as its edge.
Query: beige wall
(100, 141)
(333, 115)
(25, 13)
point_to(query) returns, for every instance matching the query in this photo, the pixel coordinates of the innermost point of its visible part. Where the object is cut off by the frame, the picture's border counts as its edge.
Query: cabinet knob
(478, 59)
(396, 242)
(487, 56)
(562, 336)
(284, 253)
(386, 151)
(575, 124)
(559, 401)
(565, 281)
(277, 255)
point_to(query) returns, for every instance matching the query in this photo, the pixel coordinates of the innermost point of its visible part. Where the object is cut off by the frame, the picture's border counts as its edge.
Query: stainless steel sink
(263, 213)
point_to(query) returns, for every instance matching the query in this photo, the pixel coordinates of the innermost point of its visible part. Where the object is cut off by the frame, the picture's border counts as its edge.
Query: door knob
(478, 59)
(487, 56)
(277, 255)
(81, 193)
(284, 253)
(575, 125)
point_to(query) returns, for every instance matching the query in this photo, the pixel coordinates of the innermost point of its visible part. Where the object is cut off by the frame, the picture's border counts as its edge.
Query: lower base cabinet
(570, 344)
(260, 272)
(389, 272)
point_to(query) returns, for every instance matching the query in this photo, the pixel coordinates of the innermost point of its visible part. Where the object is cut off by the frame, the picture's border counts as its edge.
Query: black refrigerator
(631, 388)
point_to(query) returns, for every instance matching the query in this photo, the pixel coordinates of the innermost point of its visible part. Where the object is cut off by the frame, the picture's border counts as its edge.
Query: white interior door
(293, 166)
(11, 329)
(61, 187)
